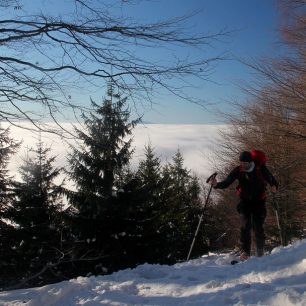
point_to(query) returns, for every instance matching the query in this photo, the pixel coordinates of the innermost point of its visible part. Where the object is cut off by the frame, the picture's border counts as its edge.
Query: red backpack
(260, 159)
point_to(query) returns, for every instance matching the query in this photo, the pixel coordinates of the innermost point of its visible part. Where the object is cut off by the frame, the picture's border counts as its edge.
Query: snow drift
(278, 279)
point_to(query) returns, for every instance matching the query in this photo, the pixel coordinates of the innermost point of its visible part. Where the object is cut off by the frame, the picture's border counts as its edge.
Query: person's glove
(213, 182)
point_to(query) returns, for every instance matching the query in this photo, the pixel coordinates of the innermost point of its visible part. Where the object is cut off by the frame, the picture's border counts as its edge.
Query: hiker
(253, 176)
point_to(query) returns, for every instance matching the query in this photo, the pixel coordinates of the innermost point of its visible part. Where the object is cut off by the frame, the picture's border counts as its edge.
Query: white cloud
(196, 142)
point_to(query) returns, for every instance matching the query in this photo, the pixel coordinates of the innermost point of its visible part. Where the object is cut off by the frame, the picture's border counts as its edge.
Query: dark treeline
(115, 218)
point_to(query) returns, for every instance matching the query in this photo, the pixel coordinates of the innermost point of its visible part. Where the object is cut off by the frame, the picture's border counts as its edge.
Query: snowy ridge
(278, 279)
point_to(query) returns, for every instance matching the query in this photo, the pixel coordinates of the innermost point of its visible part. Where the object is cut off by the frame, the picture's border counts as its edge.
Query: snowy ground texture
(278, 279)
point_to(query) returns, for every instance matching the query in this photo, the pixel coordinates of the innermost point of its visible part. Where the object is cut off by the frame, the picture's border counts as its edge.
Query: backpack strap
(239, 188)
(259, 176)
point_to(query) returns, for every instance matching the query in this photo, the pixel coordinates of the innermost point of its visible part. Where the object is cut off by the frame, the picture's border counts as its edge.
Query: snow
(278, 279)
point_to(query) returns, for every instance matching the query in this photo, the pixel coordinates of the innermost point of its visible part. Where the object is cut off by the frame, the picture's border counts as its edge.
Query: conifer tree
(149, 173)
(148, 210)
(8, 147)
(181, 197)
(36, 214)
(161, 202)
(96, 167)
(149, 168)
(104, 151)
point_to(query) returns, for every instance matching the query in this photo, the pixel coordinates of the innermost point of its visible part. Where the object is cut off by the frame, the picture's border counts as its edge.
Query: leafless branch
(82, 52)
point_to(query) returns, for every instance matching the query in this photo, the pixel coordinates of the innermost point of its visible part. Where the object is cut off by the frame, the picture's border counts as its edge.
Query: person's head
(246, 160)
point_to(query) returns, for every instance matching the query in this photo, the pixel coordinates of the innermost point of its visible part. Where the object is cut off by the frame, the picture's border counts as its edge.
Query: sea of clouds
(197, 143)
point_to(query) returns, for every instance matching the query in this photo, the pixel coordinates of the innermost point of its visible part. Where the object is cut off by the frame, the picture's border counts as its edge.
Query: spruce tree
(36, 214)
(8, 147)
(96, 166)
(104, 151)
(148, 209)
(181, 196)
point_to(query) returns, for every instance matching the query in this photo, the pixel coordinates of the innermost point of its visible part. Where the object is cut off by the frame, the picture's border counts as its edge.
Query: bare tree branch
(83, 51)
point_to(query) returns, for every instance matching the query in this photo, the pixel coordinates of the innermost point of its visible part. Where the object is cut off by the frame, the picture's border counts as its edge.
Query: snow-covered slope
(278, 279)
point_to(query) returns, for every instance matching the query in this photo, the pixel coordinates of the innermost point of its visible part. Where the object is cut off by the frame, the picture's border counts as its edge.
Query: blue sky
(253, 34)
(253, 25)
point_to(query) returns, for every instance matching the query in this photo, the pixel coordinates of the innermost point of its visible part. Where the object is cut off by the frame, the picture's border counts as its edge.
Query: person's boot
(260, 252)
(244, 256)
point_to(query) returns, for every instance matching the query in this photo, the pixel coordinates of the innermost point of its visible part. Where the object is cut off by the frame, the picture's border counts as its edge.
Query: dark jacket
(252, 185)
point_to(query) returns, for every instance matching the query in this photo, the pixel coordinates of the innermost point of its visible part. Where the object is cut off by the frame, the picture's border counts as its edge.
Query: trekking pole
(202, 215)
(276, 208)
